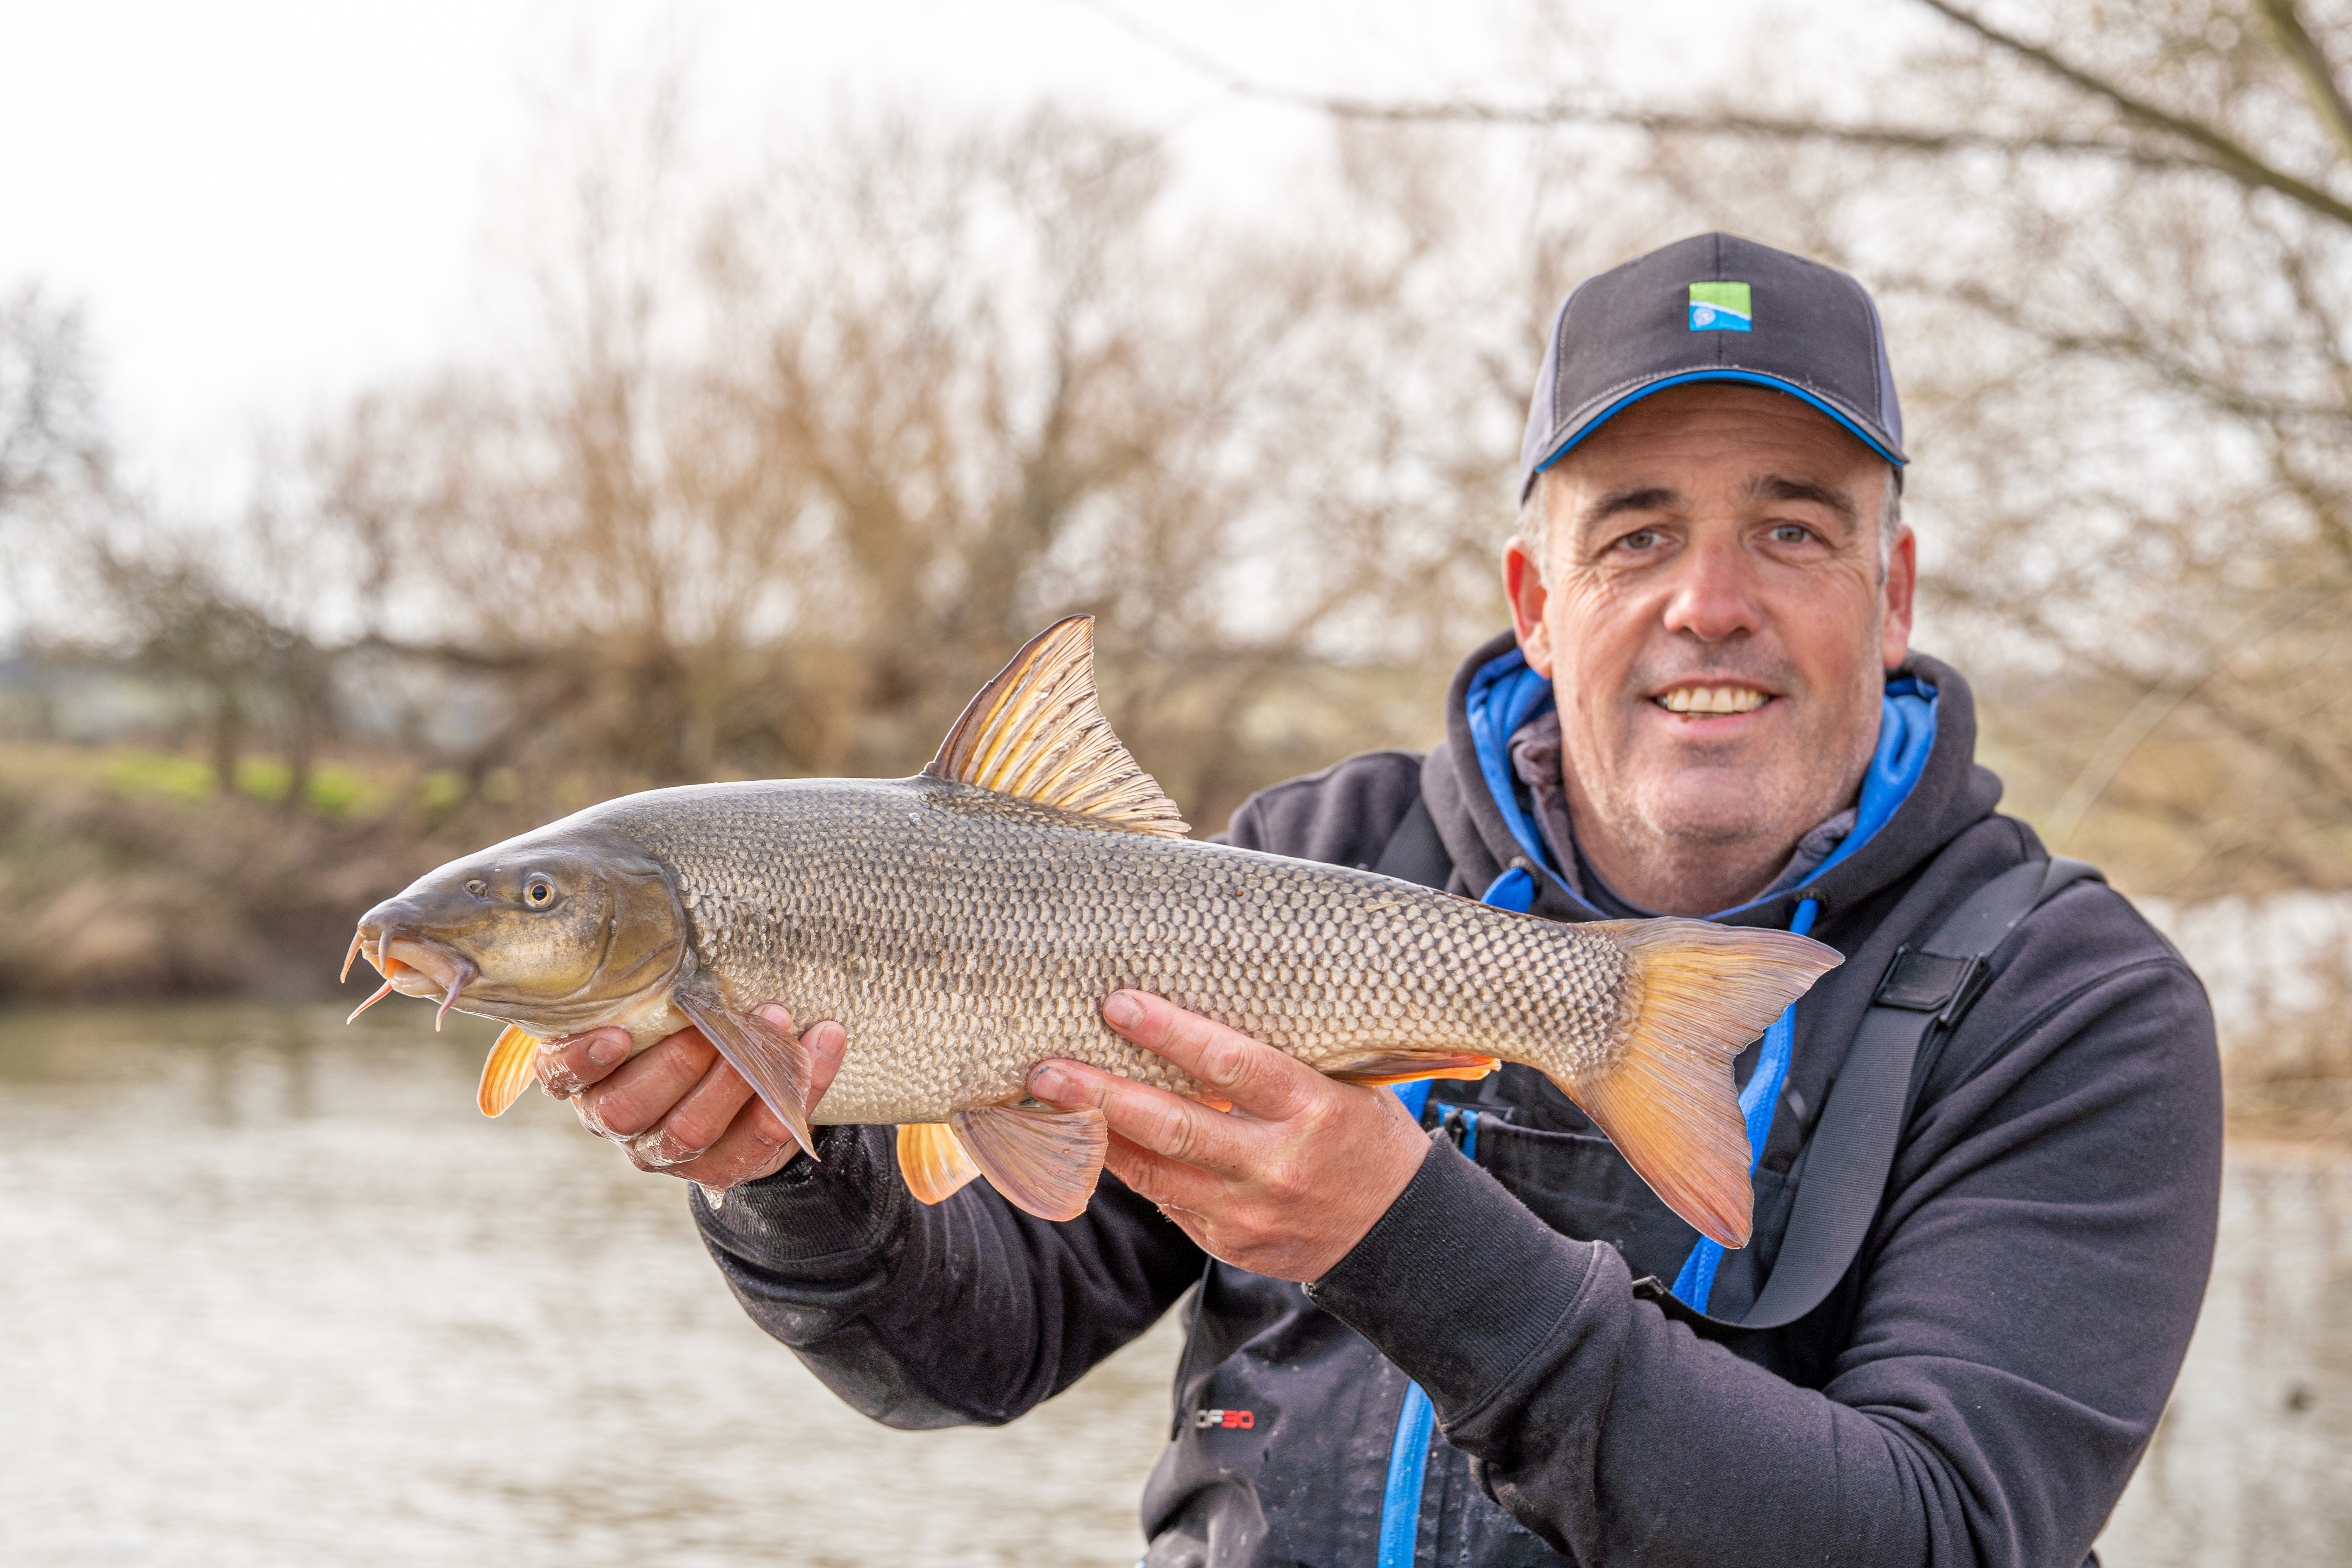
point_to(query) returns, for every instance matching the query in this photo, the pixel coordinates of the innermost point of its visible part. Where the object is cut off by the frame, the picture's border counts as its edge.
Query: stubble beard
(1718, 805)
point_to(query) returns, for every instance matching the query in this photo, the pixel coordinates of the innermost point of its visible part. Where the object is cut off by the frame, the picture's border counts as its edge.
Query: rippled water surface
(273, 1292)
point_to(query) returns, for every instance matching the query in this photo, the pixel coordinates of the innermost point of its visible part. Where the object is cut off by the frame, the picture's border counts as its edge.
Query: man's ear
(1523, 584)
(1902, 584)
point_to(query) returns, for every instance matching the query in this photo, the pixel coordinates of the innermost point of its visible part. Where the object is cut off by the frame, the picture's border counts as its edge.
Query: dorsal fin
(1038, 731)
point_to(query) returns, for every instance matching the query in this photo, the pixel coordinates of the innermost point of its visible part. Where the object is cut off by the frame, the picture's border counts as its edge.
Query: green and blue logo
(1720, 308)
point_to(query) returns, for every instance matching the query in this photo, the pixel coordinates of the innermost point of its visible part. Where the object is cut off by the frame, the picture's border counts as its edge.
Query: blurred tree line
(794, 464)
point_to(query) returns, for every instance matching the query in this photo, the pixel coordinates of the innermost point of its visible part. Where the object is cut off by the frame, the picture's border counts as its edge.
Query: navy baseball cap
(1713, 308)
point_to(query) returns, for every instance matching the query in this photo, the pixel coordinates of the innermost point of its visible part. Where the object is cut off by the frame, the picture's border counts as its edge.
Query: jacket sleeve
(966, 1313)
(2024, 1303)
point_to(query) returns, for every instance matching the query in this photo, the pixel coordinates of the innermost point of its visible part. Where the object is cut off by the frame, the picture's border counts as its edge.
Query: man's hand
(679, 1109)
(1287, 1183)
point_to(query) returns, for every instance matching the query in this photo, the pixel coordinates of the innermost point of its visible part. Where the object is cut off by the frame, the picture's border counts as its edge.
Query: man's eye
(1639, 539)
(1790, 533)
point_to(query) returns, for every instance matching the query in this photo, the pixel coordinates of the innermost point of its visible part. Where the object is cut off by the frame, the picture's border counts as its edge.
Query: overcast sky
(265, 206)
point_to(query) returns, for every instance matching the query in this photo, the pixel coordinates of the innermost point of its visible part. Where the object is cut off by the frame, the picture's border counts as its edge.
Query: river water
(273, 1292)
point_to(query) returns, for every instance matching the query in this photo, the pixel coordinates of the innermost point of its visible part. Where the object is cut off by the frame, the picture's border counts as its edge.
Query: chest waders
(1919, 1001)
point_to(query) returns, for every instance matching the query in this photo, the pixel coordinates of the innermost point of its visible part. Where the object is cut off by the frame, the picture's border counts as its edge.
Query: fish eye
(538, 892)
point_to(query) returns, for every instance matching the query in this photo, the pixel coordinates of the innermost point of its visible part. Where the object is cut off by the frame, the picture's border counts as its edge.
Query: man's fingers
(1183, 1129)
(566, 1067)
(641, 1092)
(699, 1119)
(1181, 1189)
(1257, 1079)
(756, 1145)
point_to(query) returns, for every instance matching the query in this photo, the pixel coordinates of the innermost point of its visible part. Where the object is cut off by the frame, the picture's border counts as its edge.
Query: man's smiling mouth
(1707, 700)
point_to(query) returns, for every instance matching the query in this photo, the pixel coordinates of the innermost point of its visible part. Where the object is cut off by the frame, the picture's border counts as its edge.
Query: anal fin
(508, 1071)
(773, 1063)
(1410, 1067)
(933, 1161)
(1045, 1162)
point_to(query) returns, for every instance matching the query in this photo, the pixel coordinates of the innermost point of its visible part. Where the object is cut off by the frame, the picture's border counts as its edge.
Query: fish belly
(961, 937)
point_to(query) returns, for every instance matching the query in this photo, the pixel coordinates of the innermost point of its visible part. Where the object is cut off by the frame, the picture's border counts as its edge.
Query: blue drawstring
(1757, 1103)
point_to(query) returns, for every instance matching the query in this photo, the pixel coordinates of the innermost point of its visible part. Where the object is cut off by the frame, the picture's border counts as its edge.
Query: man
(1707, 705)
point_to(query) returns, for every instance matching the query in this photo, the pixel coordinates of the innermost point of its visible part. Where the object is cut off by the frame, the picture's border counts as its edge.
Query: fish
(966, 924)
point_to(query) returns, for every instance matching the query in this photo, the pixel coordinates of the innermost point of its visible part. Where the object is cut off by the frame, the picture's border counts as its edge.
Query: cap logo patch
(1720, 308)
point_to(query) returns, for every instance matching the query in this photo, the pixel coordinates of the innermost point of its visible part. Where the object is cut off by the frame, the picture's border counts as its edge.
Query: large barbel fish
(965, 925)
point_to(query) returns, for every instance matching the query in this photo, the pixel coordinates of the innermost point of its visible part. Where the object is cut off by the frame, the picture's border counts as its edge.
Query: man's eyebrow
(1772, 487)
(1633, 497)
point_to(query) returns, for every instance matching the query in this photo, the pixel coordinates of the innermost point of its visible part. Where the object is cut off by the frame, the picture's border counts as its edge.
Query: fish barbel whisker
(382, 991)
(359, 940)
(463, 977)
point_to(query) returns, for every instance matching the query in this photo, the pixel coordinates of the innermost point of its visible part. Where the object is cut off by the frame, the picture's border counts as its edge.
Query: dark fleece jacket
(1976, 1392)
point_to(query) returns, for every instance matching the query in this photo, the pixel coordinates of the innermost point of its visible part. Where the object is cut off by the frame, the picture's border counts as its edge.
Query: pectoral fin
(1410, 1067)
(933, 1161)
(773, 1063)
(1043, 1162)
(508, 1071)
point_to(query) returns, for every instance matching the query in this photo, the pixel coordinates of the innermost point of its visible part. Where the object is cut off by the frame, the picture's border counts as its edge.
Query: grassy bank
(126, 873)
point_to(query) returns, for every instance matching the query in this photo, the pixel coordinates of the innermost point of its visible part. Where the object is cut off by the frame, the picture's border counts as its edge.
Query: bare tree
(783, 508)
(53, 450)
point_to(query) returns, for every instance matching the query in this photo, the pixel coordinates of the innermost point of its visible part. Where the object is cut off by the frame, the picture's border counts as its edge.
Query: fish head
(556, 931)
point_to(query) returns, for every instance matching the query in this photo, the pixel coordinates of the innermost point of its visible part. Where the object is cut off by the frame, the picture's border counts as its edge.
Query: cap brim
(1568, 439)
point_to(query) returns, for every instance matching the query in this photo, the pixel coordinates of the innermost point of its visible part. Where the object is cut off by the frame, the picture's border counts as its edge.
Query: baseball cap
(1713, 308)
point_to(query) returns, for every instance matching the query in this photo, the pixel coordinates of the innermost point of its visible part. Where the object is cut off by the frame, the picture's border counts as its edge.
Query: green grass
(333, 791)
(159, 772)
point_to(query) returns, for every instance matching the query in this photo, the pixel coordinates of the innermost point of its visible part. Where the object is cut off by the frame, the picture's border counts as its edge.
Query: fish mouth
(410, 965)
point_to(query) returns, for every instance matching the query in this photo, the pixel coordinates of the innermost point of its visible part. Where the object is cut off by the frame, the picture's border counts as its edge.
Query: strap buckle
(1936, 983)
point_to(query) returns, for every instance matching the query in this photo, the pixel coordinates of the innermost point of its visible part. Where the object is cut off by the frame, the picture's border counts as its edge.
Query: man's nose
(1712, 599)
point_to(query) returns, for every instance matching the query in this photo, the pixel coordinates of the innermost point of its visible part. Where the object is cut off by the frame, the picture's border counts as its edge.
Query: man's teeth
(1713, 700)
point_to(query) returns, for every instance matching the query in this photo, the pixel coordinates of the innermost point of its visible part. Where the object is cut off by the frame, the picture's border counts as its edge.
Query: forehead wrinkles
(1648, 496)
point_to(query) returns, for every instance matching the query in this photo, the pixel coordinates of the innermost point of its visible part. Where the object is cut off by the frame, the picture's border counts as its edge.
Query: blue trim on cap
(1742, 377)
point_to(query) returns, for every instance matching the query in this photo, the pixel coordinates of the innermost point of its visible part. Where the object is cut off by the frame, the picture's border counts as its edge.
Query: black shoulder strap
(1414, 852)
(1853, 1149)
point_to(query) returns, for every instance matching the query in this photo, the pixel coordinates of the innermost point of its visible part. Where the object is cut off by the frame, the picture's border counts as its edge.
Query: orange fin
(508, 1071)
(933, 1161)
(1410, 1067)
(1038, 731)
(773, 1063)
(1699, 993)
(1045, 1162)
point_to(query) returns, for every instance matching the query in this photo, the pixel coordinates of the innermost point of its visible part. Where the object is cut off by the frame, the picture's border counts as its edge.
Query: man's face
(1717, 626)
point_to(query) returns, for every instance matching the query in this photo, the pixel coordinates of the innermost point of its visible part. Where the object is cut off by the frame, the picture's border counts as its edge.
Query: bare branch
(2221, 152)
(2312, 65)
(2214, 151)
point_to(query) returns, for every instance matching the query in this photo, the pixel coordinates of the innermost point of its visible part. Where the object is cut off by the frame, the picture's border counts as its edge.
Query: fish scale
(961, 937)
